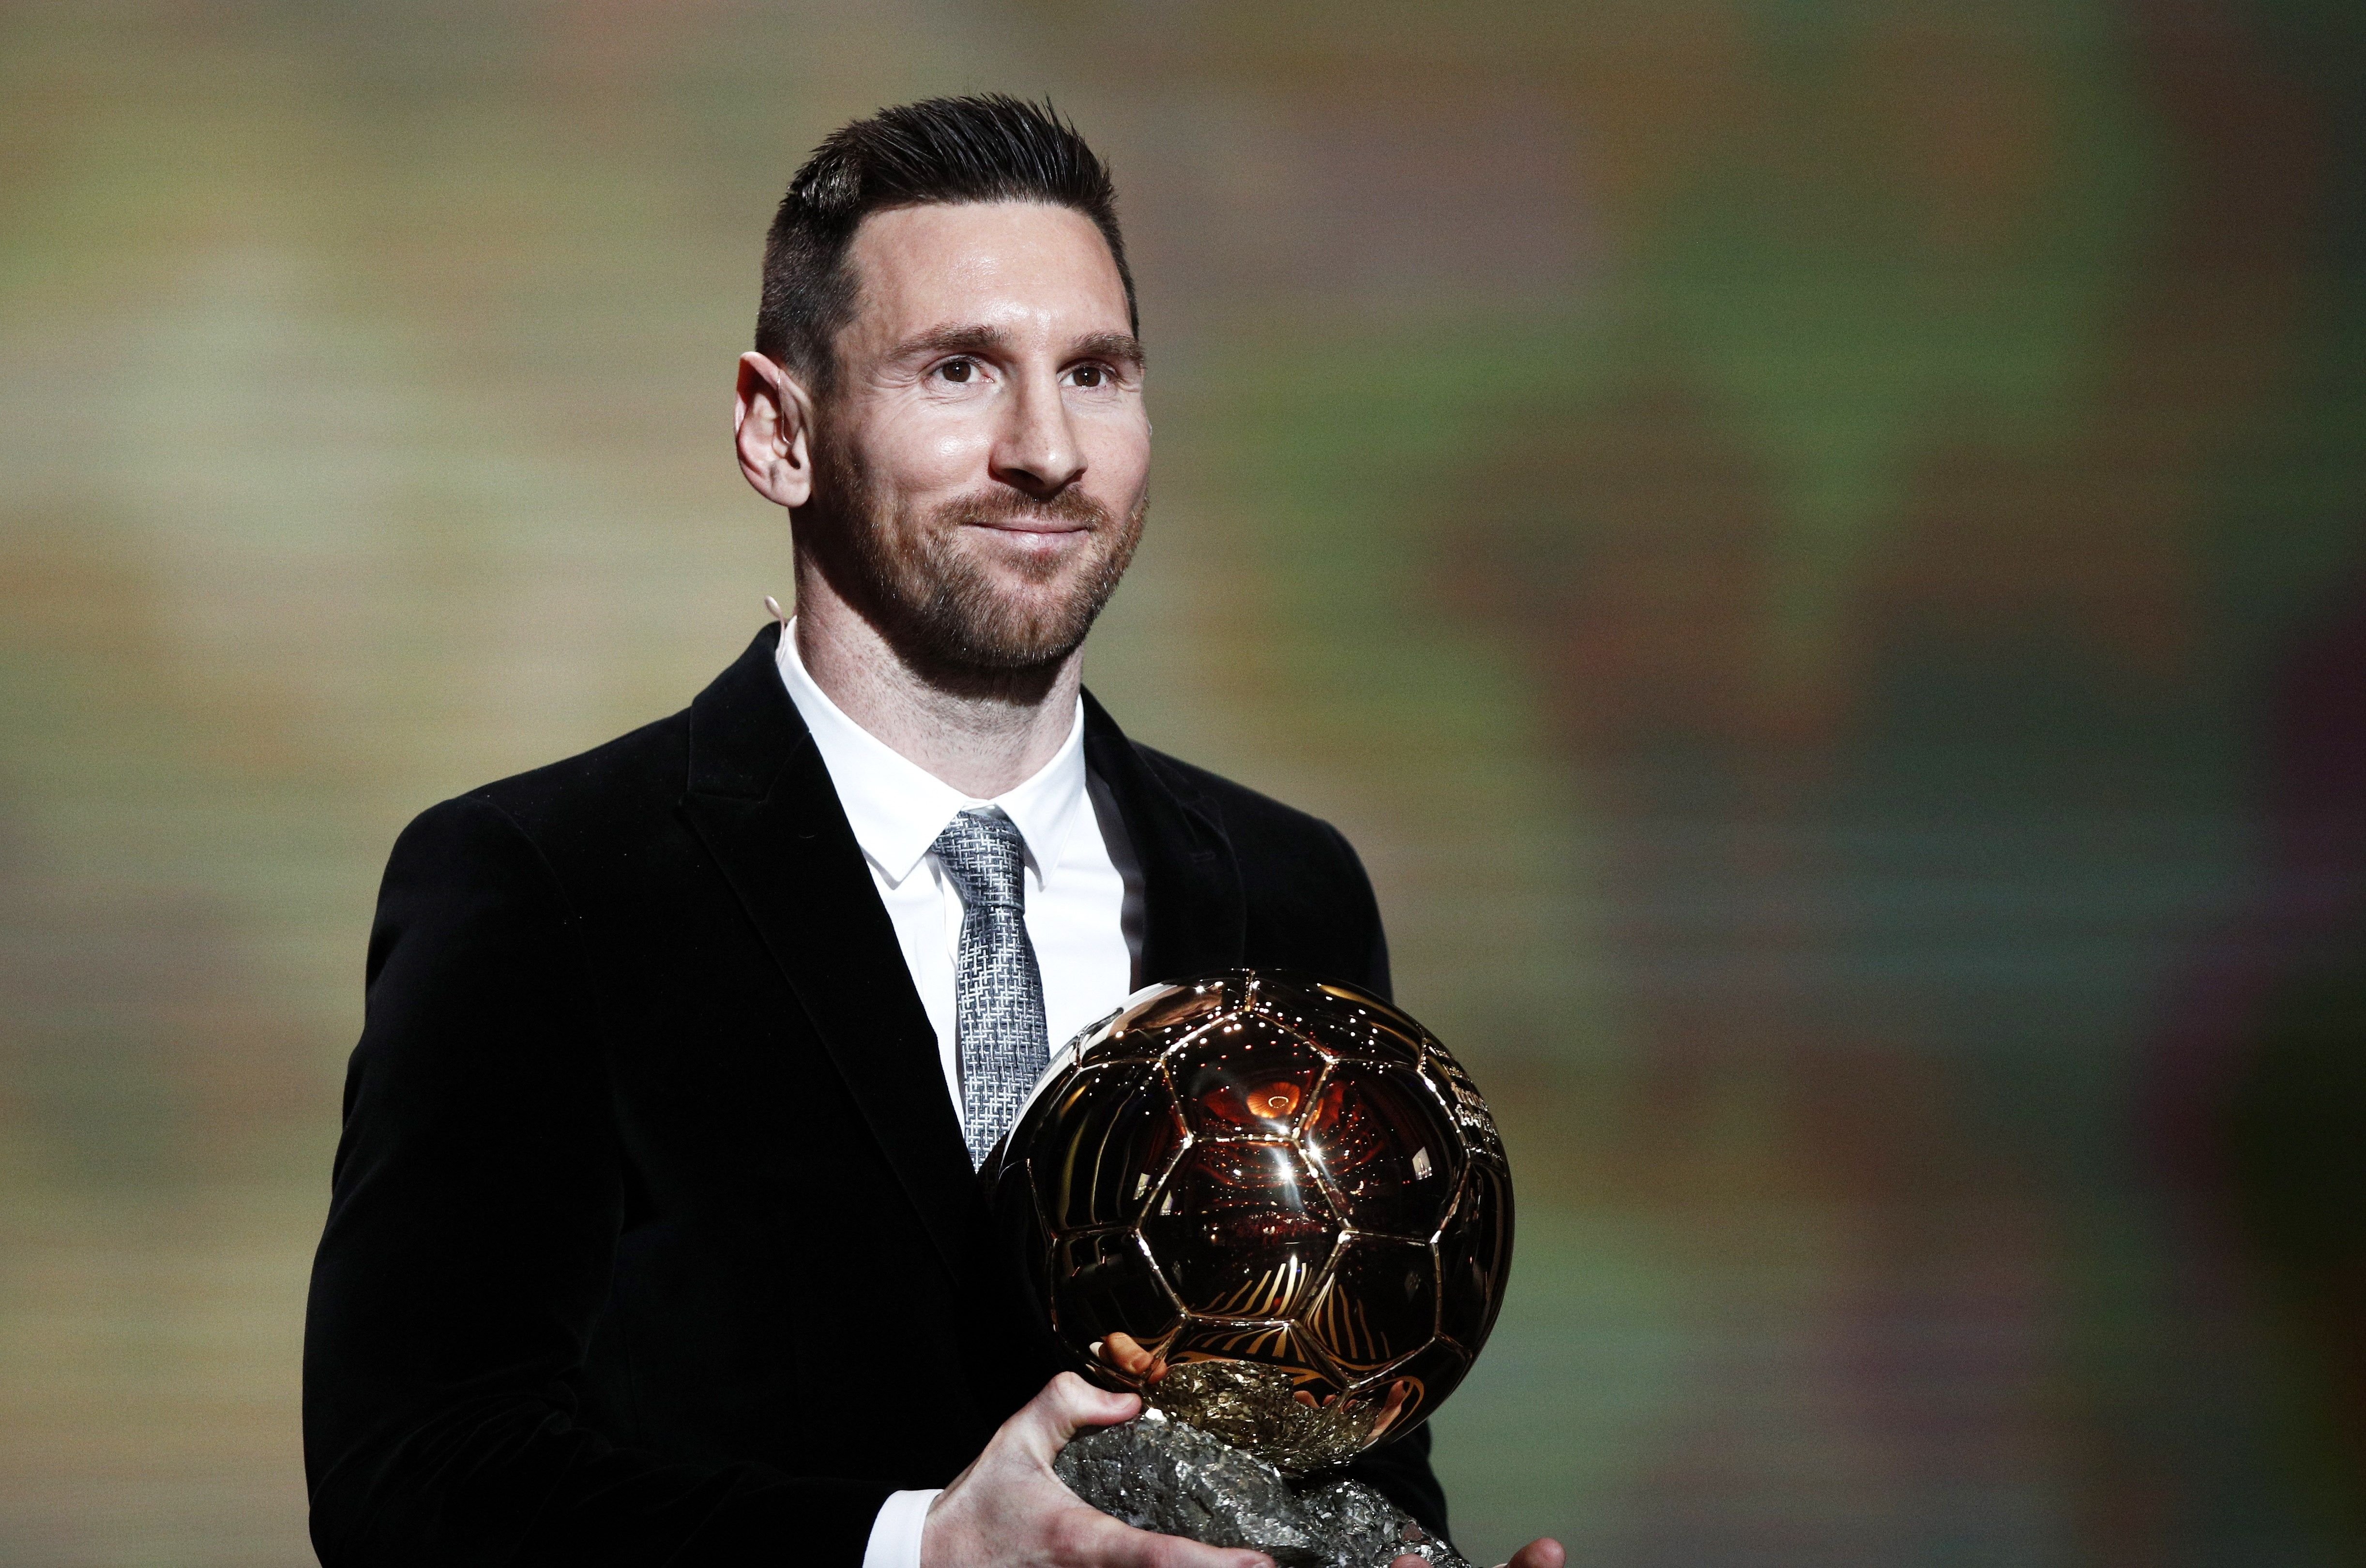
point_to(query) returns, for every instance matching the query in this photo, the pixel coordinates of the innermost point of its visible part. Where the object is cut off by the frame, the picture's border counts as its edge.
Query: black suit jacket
(654, 1239)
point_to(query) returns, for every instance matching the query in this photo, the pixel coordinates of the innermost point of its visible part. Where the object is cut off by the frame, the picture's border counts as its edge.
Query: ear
(771, 422)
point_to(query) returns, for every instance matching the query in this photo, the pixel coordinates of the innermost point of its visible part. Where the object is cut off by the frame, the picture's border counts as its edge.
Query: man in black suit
(655, 1236)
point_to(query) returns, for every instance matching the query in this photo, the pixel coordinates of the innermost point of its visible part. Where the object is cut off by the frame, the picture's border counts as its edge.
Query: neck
(982, 732)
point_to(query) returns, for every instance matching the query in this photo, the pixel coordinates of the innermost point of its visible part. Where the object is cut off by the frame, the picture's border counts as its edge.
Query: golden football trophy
(1277, 1208)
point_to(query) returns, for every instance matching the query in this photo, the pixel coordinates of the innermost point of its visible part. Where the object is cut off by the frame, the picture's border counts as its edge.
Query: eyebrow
(978, 338)
(1123, 347)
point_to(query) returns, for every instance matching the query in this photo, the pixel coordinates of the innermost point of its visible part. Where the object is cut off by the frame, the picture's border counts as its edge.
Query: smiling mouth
(1037, 525)
(1030, 523)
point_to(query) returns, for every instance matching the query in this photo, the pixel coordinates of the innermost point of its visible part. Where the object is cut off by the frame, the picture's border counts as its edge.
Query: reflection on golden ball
(1274, 1205)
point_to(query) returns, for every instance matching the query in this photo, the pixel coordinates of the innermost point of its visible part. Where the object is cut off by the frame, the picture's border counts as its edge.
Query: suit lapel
(1195, 918)
(761, 801)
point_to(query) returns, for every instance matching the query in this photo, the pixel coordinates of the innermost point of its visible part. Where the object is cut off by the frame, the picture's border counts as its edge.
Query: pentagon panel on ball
(1276, 1206)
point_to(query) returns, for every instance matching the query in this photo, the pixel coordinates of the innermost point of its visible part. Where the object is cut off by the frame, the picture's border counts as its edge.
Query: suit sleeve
(1363, 936)
(476, 1205)
(1399, 1470)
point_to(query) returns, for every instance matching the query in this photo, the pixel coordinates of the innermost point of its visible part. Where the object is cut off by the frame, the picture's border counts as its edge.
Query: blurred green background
(1820, 549)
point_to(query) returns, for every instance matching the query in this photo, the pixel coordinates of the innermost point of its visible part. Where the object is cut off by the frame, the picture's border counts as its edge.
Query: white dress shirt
(1084, 910)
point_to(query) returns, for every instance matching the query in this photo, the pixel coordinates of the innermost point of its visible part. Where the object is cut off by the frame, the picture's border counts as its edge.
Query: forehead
(1002, 262)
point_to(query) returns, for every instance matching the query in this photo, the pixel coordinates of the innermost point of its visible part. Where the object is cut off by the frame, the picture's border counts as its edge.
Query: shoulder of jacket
(1240, 811)
(638, 772)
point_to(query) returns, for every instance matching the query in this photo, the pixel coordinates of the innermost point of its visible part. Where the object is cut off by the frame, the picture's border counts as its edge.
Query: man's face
(982, 458)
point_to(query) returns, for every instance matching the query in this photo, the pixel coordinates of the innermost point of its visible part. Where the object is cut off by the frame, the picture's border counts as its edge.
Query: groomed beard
(939, 607)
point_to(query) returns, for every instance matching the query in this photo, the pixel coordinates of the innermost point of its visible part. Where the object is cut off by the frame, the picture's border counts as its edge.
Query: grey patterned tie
(998, 990)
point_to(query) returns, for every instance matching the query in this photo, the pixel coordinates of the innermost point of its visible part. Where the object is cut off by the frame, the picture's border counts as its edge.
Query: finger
(1068, 1404)
(1542, 1553)
(1127, 1354)
(1114, 1545)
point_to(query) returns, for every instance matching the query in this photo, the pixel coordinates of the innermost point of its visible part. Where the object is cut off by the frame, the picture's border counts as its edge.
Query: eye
(1090, 375)
(958, 371)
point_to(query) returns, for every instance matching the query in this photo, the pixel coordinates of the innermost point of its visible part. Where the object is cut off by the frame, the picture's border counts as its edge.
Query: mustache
(1071, 507)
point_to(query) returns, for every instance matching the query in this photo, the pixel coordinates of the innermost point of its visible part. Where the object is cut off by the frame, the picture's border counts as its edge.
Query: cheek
(956, 451)
(924, 451)
(1118, 449)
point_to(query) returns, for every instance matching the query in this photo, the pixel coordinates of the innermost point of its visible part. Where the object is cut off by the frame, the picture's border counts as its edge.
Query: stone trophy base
(1166, 1475)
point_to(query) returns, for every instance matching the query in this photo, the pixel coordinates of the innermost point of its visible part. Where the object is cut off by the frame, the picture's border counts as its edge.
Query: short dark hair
(990, 147)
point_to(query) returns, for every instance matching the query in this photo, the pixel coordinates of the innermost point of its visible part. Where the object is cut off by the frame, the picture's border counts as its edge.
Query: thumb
(1542, 1553)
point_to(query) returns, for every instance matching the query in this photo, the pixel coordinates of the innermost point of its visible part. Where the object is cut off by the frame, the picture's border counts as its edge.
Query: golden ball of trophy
(1273, 1205)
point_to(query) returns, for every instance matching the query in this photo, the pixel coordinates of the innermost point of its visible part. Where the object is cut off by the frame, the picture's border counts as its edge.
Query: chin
(1032, 588)
(1014, 604)
(1028, 636)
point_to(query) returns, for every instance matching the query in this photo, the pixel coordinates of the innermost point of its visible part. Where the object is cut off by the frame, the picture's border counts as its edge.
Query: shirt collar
(897, 808)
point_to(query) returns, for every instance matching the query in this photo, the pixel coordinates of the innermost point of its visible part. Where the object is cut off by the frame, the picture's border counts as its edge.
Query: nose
(1038, 451)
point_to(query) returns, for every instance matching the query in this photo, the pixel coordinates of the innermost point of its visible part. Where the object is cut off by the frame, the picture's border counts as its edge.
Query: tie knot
(982, 852)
